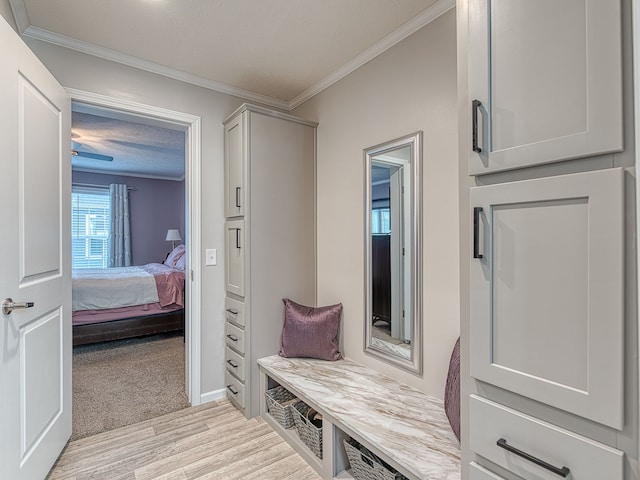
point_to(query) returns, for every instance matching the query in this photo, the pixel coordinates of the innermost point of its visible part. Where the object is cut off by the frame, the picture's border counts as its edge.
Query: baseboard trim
(212, 396)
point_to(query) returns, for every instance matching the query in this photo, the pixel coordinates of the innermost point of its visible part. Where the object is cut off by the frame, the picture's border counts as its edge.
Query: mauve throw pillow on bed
(175, 255)
(311, 332)
(452, 390)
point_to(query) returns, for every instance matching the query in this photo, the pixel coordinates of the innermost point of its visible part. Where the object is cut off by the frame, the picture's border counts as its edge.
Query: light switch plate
(211, 256)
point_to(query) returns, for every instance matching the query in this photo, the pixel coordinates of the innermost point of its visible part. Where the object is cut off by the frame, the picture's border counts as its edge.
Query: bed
(125, 302)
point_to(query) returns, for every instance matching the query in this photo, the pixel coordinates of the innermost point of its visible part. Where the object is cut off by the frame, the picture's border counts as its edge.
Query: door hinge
(192, 275)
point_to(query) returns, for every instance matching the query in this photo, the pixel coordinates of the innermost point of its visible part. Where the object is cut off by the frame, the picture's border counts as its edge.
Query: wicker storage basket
(307, 431)
(367, 466)
(275, 397)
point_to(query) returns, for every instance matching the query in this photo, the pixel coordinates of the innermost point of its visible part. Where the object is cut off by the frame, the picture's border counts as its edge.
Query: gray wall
(410, 87)
(154, 207)
(5, 11)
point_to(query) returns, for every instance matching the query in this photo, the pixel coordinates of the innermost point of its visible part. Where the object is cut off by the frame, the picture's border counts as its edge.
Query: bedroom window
(381, 221)
(90, 224)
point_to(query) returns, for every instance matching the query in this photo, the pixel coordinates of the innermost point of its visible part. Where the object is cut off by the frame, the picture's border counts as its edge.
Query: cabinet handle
(237, 238)
(232, 312)
(563, 471)
(232, 338)
(232, 390)
(238, 197)
(475, 105)
(476, 232)
(232, 363)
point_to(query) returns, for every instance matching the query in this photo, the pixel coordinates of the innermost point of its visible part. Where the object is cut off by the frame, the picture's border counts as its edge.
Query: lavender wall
(155, 206)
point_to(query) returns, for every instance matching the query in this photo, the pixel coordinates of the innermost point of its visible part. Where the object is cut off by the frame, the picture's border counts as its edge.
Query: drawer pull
(238, 197)
(230, 388)
(232, 312)
(563, 472)
(232, 338)
(232, 363)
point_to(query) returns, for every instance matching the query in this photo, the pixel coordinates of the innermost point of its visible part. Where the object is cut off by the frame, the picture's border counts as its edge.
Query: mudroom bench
(390, 426)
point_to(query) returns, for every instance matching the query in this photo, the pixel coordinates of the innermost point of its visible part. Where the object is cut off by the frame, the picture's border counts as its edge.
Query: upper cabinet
(234, 165)
(545, 81)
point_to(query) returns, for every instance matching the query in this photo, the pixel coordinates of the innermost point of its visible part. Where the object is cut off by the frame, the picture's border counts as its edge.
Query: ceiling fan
(76, 152)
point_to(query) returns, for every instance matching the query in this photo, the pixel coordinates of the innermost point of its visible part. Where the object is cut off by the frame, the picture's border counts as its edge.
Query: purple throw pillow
(311, 332)
(452, 391)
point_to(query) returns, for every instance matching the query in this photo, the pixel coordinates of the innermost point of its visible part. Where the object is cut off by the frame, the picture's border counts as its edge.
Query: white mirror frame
(414, 362)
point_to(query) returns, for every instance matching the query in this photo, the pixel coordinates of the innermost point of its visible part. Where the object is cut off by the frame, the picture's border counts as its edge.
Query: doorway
(190, 126)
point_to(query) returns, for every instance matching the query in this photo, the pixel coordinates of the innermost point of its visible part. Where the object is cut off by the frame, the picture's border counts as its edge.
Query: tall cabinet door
(234, 168)
(547, 291)
(235, 257)
(545, 81)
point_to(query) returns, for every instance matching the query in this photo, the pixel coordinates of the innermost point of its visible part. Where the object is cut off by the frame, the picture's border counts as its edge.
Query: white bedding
(95, 289)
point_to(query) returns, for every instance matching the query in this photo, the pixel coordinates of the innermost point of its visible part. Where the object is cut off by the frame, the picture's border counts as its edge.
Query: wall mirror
(393, 313)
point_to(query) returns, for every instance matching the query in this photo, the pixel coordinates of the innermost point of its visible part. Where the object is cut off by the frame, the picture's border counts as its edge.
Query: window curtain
(120, 235)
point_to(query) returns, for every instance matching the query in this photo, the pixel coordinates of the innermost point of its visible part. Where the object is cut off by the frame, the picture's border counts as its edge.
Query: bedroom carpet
(126, 381)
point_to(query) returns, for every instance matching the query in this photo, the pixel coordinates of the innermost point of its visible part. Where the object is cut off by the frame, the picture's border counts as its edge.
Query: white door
(545, 81)
(35, 343)
(547, 290)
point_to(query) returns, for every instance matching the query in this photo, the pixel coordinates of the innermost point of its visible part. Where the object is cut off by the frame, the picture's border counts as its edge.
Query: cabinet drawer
(586, 459)
(476, 472)
(234, 311)
(234, 337)
(235, 389)
(234, 363)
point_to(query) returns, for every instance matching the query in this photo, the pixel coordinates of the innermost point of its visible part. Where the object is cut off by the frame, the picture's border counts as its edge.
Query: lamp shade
(173, 235)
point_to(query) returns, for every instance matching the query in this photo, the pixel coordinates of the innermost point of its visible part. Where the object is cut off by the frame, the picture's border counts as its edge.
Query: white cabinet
(545, 81)
(270, 238)
(550, 336)
(234, 257)
(234, 152)
(546, 292)
(476, 472)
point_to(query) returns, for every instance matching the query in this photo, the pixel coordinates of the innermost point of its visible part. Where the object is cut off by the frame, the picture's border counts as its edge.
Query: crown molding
(141, 64)
(123, 173)
(19, 11)
(416, 23)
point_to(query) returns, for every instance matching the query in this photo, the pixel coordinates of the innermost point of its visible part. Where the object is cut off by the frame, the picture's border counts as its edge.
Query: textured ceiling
(137, 149)
(275, 48)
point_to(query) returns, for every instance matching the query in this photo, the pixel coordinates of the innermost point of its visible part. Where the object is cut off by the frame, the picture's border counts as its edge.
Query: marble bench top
(403, 424)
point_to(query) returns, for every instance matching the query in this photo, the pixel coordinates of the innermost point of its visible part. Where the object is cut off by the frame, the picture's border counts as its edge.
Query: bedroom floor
(212, 441)
(124, 382)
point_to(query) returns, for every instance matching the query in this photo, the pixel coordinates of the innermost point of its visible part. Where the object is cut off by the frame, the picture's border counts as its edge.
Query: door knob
(8, 306)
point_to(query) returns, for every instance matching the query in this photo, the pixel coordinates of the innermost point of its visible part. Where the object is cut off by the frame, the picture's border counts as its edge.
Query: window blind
(381, 221)
(90, 225)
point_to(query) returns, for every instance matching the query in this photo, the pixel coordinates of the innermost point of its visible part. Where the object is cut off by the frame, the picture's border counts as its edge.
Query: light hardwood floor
(211, 441)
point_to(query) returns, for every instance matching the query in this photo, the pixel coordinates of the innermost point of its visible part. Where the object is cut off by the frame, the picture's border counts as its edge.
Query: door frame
(193, 163)
(635, 37)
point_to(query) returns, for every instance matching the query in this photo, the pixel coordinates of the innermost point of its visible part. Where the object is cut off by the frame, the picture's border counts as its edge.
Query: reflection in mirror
(392, 327)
